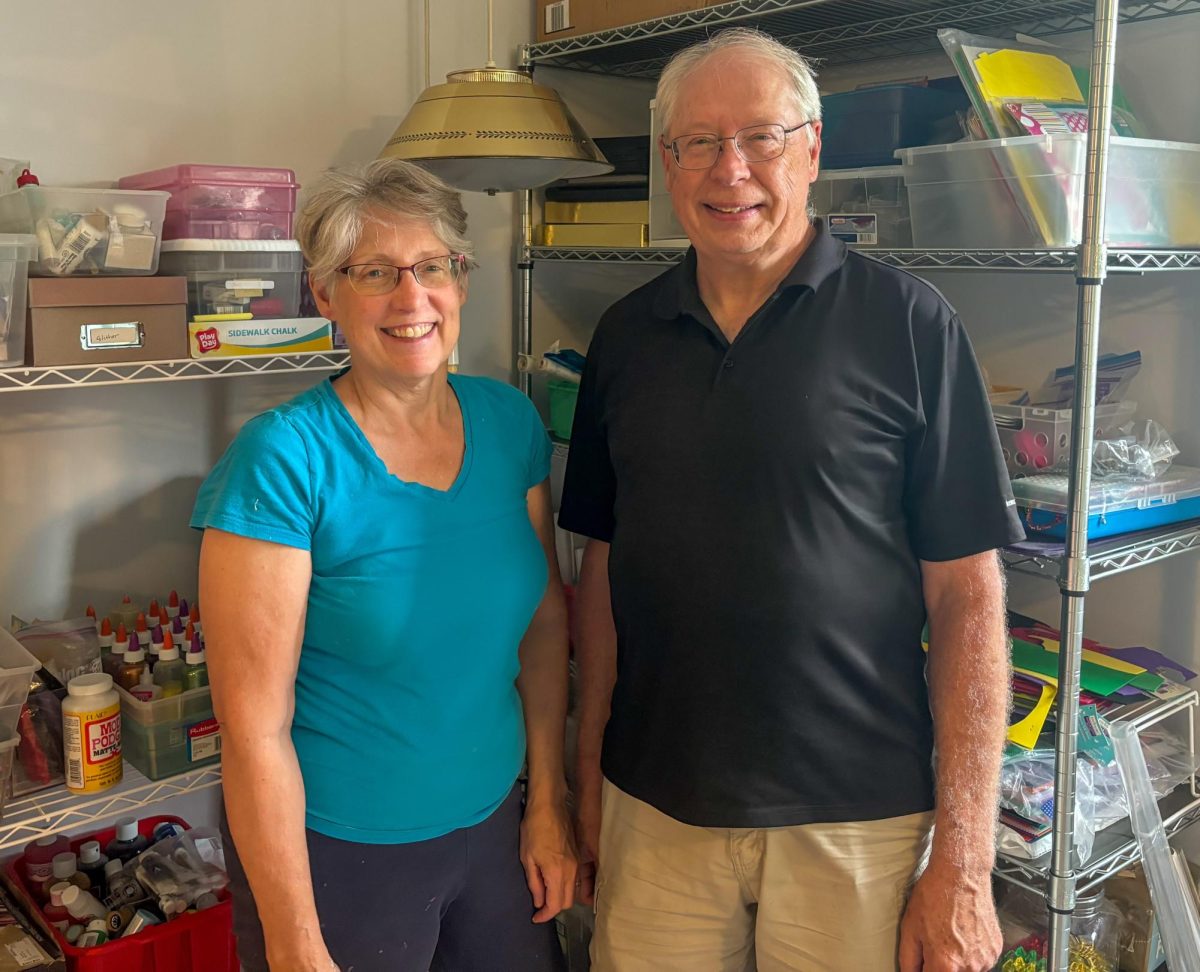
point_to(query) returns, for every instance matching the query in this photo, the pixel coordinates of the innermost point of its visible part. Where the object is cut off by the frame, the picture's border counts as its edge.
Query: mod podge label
(92, 745)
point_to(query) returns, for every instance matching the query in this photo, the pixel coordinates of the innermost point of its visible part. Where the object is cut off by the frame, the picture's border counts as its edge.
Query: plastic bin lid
(90, 191)
(230, 246)
(15, 657)
(18, 246)
(188, 174)
(1112, 494)
(866, 172)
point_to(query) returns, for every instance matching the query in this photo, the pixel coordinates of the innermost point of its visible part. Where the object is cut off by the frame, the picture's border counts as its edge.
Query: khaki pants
(671, 897)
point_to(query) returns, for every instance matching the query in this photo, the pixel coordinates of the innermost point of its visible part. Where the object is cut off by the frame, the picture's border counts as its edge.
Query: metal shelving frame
(183, 369)
(848, 31)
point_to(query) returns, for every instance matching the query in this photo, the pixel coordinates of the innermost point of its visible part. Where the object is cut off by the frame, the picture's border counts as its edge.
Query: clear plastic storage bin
(1009, 193)
(87, 231)
(15, 253)
(1116, 504)
(864, 207)
(1034, 439)
(258, 277)
(16, 673)
(171, 735)
(242, 187)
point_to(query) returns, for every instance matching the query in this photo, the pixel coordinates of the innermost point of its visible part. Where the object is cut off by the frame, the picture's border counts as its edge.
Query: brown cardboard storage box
(100, 320)
(574, 17)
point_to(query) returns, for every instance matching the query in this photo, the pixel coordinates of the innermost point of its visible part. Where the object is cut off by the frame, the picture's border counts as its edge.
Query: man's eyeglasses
(758, 143)
(377, 279)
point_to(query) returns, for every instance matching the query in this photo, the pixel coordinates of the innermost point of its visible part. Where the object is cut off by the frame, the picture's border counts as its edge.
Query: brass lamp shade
(494, 130)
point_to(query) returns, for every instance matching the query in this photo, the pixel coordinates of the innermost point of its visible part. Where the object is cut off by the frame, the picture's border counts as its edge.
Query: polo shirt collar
(680, 293)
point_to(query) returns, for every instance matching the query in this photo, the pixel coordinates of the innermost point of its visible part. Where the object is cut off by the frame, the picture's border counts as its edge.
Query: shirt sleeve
(590, 484)
(262, 486)
(958, 497)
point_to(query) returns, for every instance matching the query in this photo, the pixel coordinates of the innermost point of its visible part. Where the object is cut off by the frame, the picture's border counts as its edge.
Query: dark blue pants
(457, 903)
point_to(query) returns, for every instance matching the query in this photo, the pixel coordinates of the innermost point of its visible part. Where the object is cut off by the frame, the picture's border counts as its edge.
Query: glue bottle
(131, 667)
(195, 675)
(91, 715)
(169, 672)
(146, 690)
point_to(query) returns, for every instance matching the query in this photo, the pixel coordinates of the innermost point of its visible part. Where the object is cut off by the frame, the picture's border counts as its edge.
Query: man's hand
(950, 923)
(589, 782)
(548, 855)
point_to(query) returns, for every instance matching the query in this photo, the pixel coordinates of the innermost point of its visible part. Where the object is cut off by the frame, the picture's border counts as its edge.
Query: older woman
(386, 628)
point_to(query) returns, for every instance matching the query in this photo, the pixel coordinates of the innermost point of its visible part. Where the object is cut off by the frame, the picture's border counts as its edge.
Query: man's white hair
(752, 43)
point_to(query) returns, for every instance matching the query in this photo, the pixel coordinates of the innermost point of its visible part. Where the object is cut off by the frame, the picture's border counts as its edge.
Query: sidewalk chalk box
(235, 339)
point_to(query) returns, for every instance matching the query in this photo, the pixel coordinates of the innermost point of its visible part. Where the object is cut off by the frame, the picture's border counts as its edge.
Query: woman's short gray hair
(346, 198)
(754, 43)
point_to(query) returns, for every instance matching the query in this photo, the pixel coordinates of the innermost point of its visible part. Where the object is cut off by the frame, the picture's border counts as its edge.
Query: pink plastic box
(236, 187)
(226, 224)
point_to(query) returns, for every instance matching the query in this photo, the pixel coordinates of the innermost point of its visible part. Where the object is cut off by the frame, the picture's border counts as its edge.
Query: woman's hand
(295, 957)
(548, 855)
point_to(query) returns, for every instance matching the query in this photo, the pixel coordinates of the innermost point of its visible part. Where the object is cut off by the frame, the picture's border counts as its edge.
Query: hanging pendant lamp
(492, 130)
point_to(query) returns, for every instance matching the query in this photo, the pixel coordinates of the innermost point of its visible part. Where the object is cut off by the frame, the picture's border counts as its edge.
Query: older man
(784, 456)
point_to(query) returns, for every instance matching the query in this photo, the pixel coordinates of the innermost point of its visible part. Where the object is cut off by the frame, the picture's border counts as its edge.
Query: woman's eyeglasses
(377, 279)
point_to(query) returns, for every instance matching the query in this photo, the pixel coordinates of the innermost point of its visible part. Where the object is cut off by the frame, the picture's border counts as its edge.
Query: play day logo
(207, 340)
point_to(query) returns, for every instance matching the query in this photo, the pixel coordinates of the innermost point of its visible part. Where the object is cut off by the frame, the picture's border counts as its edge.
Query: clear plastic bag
(1144, 450)
(66, 648)
(179, 870)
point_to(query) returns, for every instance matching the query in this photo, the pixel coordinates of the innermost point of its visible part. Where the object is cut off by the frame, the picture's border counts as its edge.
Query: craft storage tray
(200, 941)
(1035, 438)
(226, 224)
(1116, 504)
(1028, 192)
(171, 735)
(864, 128)
(15, 253)
(259, 277)
(123, 232)
(864, 207)
(221, 187)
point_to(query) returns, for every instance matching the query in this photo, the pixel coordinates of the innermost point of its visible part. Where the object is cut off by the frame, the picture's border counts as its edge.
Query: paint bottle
(157, 641)
(195, 674)
(118, 920)
(142, 919)
(146, 690)
(184, 610)
(152, 612)
(82, 905)
(165, 830)
(143, 632)
(91, 863)
(123, 888)
(169, 672)
(95, 934)
(55, 911)
(124, 613)
(195, 616)
(121, 638)
(92, 733)
(164, 619)
(132, 663)
(38, 859)
(177, 633)
(173, 605)
(126, 844)
(112, 652)
(65, 868)
(106, 635)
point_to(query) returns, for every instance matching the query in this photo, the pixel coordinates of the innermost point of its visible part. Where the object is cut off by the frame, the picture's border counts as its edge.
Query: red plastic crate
(199, 942)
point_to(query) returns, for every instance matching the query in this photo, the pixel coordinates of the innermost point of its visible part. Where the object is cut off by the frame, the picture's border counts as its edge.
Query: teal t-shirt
(407, 723)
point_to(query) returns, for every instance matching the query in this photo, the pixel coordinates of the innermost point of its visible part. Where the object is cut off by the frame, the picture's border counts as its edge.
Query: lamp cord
(426, 43)
(490, 61)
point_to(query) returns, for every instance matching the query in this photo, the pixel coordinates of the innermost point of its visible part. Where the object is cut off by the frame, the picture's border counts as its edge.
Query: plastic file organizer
(199, 941)
(864, 207)
(1116, 504)
(171, 735)
(1034, 439)
(258, 277)
(15, 253)
(223, 202)
(87, 231)
(1028, 192)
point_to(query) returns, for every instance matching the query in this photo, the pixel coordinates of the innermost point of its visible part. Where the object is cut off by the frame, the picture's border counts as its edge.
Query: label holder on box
(122, 334)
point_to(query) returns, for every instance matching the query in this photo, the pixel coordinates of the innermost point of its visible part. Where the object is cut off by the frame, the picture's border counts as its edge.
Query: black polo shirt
(768, 502)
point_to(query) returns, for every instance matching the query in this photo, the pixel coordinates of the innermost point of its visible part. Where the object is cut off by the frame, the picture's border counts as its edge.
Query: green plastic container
(562, 407)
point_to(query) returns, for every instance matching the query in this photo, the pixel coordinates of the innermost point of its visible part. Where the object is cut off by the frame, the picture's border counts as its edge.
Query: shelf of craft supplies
(1115, 847)
(1126, 260)
(1107, 558)
(183, 369)
(832, 31)
(57, 809)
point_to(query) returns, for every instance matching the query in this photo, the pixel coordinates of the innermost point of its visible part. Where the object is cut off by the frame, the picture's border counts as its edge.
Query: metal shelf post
(1093, 262)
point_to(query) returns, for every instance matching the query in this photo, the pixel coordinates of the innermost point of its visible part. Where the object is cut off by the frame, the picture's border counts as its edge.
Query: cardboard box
(25, 940)
(557, 19)
(236, 339)
(101, 320)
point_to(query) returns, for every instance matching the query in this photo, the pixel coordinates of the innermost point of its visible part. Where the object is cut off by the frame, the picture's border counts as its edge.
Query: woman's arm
(546, 846)
(255, 595)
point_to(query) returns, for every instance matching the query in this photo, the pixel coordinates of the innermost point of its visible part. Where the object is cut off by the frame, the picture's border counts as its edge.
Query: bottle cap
(27, 178)
(47, 840)
(183, 607)
(156, 635)
(122, 634)
(127, 828)
(153, 612)
(195, 615)
(140, 623)
(106, 628)
(189, 632)
(169, 653)
(95, 683)
(56, 892)
(134, 656)
(91, 612)
(97, 925)
(63, 865)
(89, 852)
(127, 599)
(73, 933)
(70, 894)
(112, 868)
(176, 626)
(147, 677)
(134, 642)
(173, 599)
(195, 655)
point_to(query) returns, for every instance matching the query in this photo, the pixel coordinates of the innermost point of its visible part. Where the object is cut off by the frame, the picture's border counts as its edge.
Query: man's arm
(596, 656)
(950, 924)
